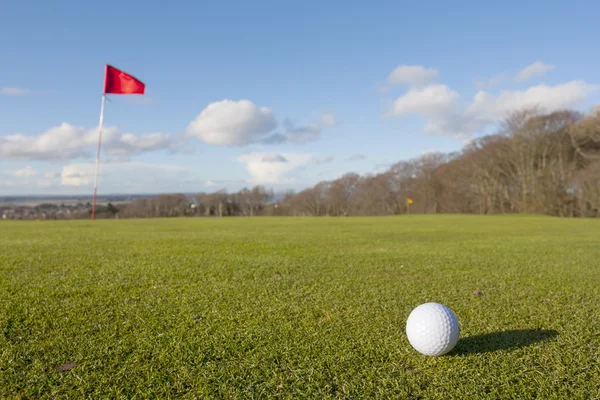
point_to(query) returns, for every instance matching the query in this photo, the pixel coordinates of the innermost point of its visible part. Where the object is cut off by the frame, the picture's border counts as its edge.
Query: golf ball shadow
(502, 340)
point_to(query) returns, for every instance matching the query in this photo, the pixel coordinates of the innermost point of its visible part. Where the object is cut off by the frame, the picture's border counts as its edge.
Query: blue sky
(269, 92)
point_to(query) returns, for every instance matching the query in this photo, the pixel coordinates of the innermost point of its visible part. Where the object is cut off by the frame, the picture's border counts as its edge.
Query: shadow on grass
(504, 340)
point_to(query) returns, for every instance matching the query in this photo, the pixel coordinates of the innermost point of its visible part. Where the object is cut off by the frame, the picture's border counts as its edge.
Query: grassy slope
(298, 307)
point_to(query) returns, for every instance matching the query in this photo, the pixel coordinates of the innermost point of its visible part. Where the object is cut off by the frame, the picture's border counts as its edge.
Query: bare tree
(587, 190)
(585, 136)
(339, 194)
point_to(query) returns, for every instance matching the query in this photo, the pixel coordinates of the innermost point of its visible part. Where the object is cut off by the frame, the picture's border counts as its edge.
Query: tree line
(536, 163)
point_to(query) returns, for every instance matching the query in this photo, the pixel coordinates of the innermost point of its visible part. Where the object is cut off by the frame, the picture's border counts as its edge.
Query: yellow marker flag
(409, 201)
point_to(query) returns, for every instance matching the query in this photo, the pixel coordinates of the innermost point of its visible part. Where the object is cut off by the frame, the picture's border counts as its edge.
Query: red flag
(119, 82)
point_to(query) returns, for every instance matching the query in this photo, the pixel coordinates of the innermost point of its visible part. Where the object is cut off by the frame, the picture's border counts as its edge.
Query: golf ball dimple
(432, 329)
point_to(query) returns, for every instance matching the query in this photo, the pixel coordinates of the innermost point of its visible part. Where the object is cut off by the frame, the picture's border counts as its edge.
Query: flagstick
(98, 156)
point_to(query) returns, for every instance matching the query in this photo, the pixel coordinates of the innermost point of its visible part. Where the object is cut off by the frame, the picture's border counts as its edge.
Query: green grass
(298, 308)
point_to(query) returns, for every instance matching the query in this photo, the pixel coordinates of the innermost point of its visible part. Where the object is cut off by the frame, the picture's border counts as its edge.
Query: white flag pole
(98, 156)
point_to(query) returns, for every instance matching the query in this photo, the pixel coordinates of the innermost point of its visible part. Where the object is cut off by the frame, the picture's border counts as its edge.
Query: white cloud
(69, 142)
(240, 123)
(445, 115)
(14, 91)
(26, 172)
(232, 123)
(431, 100)
(72, 176)
(487, 108)
(536, 69)
(274, 171)
(491, 107)
(412, 75)
(61, 142)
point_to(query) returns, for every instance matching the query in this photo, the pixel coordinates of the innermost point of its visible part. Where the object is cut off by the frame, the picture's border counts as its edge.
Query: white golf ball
(432, 329)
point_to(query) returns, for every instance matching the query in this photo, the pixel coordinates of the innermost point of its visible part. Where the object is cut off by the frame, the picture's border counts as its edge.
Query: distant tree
(339, 194)
(110, 208)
